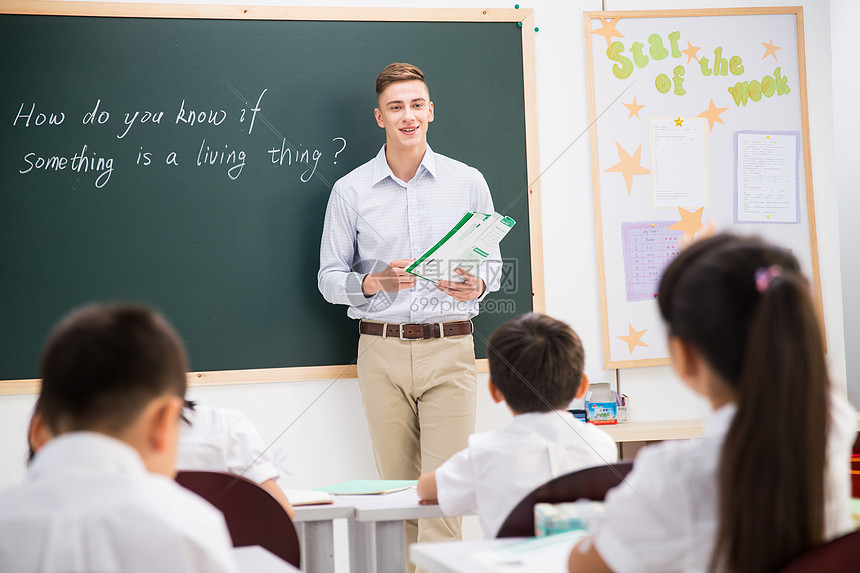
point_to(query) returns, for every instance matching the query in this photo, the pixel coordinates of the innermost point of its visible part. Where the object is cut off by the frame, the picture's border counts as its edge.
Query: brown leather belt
(416, 331)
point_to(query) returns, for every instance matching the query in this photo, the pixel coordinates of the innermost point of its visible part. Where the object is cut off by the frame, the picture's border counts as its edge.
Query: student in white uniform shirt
(770, 477)
(536, 368)
(221, 439)
(99, 496)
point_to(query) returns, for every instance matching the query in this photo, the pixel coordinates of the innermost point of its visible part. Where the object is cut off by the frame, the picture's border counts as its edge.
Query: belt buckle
(405, 339)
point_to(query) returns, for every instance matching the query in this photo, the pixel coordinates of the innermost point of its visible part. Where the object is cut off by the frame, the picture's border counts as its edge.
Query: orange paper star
(770, 49)
(712, 114)
(690, 223)
(691, 52)
(679, 122)
(633, 339)
(628, 165)
(608, 30)
(634, 109)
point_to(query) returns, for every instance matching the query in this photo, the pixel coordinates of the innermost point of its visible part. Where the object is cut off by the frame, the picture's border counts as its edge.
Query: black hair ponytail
(744, 305)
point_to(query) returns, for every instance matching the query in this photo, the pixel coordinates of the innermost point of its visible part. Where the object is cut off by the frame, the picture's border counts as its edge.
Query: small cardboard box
(623, 410)
(602, 413)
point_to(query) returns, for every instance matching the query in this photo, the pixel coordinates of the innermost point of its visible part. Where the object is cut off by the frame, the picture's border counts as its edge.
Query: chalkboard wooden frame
(522, 16)
(808, 196)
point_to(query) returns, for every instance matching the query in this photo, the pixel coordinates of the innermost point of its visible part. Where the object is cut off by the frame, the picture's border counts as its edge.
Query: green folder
(369, 486)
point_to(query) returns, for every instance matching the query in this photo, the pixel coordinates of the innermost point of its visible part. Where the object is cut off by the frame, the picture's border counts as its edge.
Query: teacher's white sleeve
(336, 280)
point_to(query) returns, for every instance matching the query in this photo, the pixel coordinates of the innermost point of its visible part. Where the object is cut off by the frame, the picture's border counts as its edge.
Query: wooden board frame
(523, 16)
(595, 167)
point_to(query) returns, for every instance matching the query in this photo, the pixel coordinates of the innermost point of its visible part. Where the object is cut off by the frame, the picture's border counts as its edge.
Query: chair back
(590, 483)
(253, 515)
(840, 554)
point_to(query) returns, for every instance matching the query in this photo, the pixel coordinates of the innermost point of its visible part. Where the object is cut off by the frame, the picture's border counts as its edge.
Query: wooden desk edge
(660, 430)
(655, 431)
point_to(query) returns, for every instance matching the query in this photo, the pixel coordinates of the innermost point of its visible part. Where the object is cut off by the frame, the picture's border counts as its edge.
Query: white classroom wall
(846, 114)
(320, 424)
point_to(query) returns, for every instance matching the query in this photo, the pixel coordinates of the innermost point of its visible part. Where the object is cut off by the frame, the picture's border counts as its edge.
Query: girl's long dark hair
(764, 340)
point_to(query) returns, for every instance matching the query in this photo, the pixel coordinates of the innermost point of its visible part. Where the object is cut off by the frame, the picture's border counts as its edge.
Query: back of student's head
(102, 365)
(536, 362)
(744, 305)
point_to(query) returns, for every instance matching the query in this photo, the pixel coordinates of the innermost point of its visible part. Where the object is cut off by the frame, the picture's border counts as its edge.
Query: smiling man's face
(405, 112)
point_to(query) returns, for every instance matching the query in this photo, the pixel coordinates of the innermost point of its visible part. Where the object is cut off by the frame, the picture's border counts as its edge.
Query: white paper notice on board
(766, 181)
(679, 163)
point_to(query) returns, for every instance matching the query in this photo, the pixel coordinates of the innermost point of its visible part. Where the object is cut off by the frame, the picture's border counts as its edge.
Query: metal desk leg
(377, 546)
(316, 540)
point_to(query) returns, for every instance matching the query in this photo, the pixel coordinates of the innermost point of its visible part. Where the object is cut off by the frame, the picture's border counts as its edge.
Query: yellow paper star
(679, 122)
(633, 339)
(712, 114)
(628, 165)
(608, 30)
(770, 49)
(691, 52)
(634, 109)
(690, 223)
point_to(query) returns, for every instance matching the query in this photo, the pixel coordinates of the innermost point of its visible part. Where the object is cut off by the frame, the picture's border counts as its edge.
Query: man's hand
(472, 288)
(392, 279)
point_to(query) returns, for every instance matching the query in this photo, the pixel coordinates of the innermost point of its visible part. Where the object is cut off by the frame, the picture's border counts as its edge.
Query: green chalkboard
(136, 164)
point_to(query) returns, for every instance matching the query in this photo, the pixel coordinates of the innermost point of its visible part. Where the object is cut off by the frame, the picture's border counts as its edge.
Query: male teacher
(416, 355)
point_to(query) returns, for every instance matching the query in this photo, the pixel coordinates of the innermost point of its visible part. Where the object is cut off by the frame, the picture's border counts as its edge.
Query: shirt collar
(531, 418)
(381, 170)
(720, 419)
(86, 452)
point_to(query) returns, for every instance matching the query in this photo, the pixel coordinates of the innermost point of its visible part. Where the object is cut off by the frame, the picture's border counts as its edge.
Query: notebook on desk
(300, 497)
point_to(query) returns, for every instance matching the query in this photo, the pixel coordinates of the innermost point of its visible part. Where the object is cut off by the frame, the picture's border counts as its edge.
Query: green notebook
(369, 486)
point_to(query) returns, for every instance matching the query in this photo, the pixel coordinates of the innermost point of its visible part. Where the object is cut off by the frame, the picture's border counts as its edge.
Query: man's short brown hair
(397, 72)
(536, 362)
(102, 365)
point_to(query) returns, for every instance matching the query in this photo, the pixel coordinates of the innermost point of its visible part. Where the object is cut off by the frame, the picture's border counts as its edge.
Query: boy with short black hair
(113, 383)
(537, 368)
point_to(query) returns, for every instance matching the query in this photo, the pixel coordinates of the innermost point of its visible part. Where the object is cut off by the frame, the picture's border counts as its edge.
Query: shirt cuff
(354, 293)
(258, 473)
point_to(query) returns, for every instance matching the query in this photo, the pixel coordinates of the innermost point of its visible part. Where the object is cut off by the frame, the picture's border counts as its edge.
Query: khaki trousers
(419, 398)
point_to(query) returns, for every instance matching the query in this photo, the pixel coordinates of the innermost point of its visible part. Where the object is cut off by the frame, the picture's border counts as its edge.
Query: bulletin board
(696, 116)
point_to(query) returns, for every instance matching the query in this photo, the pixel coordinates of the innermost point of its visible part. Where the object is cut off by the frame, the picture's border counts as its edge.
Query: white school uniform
(665, 517)
(501, 467)
(220, 439)
(89, 504)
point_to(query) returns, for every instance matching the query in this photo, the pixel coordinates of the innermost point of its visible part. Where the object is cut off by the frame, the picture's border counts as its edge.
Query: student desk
(662, 430)
(377, 535)
(377, 538)
(256, 559)
(655, 431)
(450, 556)
(314, 524)
(519, 555)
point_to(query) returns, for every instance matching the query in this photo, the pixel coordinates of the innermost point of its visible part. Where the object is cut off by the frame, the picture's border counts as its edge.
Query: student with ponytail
(770, 477)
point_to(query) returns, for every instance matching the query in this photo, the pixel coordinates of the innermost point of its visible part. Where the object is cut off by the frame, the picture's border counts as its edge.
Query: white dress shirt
(501, 467)
(665, 518)
(374, 218)
(221, 439)
(89, 504)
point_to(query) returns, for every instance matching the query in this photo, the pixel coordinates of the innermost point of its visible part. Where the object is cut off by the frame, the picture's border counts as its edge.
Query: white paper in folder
(465, 247)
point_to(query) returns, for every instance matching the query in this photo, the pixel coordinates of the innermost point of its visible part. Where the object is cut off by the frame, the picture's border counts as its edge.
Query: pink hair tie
(763, 276)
